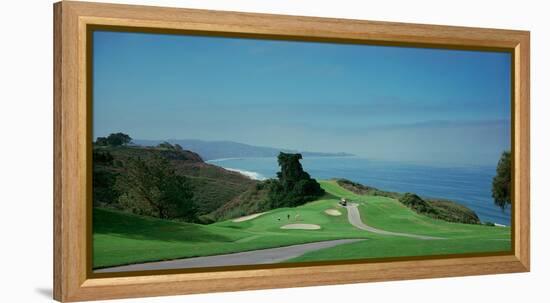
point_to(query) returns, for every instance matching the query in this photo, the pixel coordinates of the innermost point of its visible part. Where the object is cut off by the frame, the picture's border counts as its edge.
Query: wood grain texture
(72, 142)
(57, 159)
(521, 149)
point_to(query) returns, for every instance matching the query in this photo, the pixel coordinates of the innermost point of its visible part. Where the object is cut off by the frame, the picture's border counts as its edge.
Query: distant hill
(212, 186)
(210, 150)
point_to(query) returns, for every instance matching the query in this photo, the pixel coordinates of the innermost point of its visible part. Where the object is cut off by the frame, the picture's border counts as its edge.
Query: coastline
(250, 174)
(469, 186)
(223, 159)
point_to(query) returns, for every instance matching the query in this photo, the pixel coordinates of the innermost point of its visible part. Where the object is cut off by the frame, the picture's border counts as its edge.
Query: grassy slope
(123, 239)
(444, 209)
(212, 186)
(253, 200)
(389, 214)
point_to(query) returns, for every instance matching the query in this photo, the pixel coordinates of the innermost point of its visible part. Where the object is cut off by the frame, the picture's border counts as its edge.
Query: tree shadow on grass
(328, 196)
(131, 226)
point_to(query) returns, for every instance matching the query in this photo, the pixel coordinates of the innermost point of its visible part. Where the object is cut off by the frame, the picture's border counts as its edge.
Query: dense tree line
(116, 139)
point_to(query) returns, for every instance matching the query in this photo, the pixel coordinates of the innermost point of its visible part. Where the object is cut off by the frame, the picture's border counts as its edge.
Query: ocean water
(468, 185)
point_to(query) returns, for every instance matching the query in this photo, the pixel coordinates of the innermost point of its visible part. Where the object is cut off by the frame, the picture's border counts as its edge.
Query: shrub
(417, 204)
(103, 157)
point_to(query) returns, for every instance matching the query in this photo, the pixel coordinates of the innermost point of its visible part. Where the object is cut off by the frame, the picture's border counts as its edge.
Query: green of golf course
(121, 238)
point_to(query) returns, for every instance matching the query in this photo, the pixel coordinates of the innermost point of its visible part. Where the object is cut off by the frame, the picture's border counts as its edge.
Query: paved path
(355, 219)
(261, 256)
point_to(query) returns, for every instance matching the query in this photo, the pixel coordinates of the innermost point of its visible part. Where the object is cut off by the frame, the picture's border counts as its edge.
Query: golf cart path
(354, 219)
(260, 256)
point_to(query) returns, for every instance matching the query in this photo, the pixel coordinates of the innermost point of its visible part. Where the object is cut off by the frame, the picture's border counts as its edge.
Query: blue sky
(391, 103)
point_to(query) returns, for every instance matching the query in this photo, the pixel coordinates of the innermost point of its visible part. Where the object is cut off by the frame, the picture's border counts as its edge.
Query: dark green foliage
(453, 212)
(206, 219)
(254, 200)
(293, 186)
(101, 141)
(434, 208)
(104, 192)
(117, 169)
(260, 185)
(417, 204)
(361, 189)
(103, 157)
(208, 193)
(440, 209)
(116, 139)
(103, 179)
(213, 187)
(165, 145)
(502, 181)
(168, 146)
(177, 157)
(153, 188)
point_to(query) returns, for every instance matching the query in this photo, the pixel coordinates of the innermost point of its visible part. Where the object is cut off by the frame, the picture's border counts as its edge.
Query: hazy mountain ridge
(210, 150)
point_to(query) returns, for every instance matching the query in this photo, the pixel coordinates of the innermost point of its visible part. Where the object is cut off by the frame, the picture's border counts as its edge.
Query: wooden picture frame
(73, 280)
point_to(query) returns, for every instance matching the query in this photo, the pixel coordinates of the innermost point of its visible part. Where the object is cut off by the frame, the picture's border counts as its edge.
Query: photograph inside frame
(222, 151)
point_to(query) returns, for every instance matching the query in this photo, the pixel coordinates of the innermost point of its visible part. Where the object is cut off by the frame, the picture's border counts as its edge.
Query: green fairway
(389, 214)
(121, 238)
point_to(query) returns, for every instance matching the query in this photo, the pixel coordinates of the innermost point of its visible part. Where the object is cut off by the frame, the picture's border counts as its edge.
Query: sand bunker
(249, 217)
(301, 226)
(333, 212)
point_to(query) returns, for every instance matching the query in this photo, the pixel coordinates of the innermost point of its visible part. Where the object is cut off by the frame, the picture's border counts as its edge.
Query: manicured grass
(403, 247)
(121, 238)
(389, 214)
